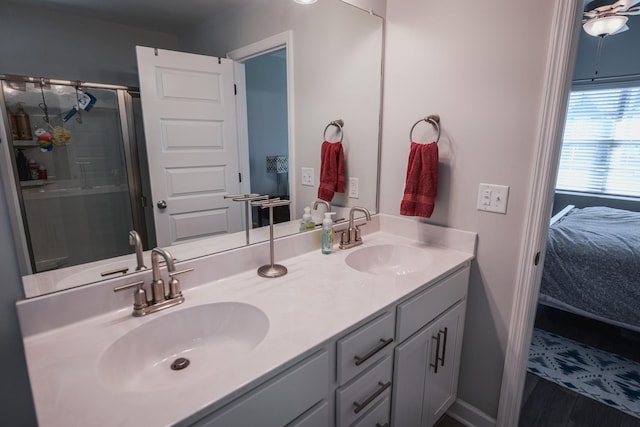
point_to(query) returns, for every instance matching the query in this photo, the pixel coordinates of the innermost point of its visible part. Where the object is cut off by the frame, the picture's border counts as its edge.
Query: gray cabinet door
(410, 370)
(441, 386)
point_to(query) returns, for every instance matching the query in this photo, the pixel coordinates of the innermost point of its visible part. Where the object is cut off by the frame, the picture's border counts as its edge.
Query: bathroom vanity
(369, 336)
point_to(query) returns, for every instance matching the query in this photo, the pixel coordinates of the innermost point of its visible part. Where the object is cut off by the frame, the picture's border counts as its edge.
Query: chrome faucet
(321, 202)
(159, 298)
(351, 236)
(157, 284)
(134, 240)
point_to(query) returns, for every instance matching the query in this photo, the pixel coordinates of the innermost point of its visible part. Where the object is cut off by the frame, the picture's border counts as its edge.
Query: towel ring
(337, 123)
(434, 119)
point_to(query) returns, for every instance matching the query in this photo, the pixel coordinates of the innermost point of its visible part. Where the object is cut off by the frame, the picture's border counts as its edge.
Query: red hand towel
(331, 170)
(421, 187)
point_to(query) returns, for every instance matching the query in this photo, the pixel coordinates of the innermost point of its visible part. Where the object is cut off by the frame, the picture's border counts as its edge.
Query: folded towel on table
(421, 187)
(331, 170)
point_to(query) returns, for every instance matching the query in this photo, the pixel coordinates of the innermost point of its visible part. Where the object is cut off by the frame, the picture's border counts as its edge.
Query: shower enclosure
(75, 151)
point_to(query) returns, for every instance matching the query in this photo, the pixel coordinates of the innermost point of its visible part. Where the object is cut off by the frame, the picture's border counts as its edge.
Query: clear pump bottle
(307, 221)
(327, 233)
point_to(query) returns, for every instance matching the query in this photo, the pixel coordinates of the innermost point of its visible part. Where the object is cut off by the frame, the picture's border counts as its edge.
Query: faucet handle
(174, 284)
(358, 236)
(139, 295)
(176, 273)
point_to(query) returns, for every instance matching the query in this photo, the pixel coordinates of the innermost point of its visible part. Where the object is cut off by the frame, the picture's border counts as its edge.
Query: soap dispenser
(327, 233)
(307, 221)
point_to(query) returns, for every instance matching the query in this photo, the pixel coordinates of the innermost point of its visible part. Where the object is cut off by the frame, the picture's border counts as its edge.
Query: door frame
(279, 41)
(13, 197)
(563, 44)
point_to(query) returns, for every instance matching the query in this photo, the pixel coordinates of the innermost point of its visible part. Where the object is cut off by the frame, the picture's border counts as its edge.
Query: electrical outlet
(354, 190)
(307, 177)
(493, 198)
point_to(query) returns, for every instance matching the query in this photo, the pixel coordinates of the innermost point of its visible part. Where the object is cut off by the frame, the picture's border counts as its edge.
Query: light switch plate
(354, 188)
(307, 177)
(493, 198)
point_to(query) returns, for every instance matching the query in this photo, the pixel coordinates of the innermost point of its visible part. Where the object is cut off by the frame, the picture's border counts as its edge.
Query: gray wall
(42, 42)
(482, 69)
(47, 43)
(267, 117)
(618, 54)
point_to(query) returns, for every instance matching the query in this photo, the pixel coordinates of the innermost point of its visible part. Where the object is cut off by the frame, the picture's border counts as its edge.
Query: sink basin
(210, 336)
(395, 260)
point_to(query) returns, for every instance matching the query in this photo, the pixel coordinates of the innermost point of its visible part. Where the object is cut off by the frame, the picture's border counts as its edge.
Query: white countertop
(318, 299)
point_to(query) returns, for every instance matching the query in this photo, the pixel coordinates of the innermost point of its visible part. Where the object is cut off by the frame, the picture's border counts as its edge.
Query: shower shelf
(25, 143)
(35, 183)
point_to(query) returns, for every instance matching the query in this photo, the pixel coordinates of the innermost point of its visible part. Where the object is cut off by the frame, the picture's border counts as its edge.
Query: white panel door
(189, 112)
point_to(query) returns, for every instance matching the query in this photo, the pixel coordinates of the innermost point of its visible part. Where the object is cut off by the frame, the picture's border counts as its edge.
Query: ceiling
(159, 15)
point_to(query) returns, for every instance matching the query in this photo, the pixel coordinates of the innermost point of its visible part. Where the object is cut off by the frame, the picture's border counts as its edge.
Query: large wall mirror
(302, 66)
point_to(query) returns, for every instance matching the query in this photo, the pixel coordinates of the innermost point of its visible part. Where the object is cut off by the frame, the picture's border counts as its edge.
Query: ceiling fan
(603, 18)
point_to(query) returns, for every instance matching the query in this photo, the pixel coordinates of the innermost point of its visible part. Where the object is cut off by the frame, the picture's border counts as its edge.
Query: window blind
(601, 144)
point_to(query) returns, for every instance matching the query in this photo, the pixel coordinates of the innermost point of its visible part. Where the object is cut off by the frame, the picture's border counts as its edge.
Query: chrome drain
(180, 363)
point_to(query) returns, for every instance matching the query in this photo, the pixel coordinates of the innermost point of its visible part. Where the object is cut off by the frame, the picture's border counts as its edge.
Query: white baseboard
(469, 415)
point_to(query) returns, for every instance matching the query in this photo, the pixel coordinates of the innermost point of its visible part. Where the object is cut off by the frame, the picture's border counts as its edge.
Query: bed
(592, 265)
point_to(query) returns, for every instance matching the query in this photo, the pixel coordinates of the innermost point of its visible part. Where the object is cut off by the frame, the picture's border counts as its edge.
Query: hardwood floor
(546, 404)
(447, 421)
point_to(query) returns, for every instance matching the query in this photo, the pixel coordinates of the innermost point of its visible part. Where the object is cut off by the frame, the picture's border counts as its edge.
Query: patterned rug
(605, 377)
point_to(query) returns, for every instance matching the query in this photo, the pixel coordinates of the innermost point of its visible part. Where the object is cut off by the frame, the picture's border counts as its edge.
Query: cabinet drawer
(318, 416)
(364, 347)
(280, 400)
(377, 417)
(426, 306)
(354, 399)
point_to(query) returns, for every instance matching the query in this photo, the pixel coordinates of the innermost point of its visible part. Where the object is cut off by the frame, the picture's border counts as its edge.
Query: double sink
(181, 344)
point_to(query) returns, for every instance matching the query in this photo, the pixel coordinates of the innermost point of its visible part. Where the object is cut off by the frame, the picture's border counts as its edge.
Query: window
(601, 145)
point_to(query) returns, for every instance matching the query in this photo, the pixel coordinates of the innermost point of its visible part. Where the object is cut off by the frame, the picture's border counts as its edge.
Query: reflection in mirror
(327, 75)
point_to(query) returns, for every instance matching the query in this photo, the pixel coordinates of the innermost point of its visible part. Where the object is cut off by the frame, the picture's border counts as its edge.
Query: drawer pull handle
(382, 425)
(383, 344)
(444, 344)
(435, 365)
(360, 406)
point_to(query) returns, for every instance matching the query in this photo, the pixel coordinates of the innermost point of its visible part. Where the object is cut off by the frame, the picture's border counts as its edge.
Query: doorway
(266, 152)
(563, 46)
(267, 122)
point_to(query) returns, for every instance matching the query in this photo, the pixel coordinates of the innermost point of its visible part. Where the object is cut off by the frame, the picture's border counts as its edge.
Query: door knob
(161, 204)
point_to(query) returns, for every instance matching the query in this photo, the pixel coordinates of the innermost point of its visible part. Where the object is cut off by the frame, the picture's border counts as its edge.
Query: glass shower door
(74, 192)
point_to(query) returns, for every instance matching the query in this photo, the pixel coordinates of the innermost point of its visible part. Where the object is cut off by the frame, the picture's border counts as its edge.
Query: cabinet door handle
(360, 406)
(382, 425)
(444, 344)
(435, 365)
(383, 344)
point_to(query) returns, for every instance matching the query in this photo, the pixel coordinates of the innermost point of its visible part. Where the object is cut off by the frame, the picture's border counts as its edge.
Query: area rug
(605, 377)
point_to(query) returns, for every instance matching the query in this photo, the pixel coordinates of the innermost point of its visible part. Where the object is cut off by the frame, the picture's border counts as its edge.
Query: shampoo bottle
(307, 222)
(327, 233)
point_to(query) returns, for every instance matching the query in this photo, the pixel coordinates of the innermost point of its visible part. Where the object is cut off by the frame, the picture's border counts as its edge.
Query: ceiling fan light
(600, 27)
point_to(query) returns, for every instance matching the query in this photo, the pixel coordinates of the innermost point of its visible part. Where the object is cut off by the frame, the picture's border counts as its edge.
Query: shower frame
(11, 183)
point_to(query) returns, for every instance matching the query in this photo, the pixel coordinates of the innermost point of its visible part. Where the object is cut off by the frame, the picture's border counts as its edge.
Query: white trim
(243, 133)
(279, 41)
(562, 51)
(469, 415)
